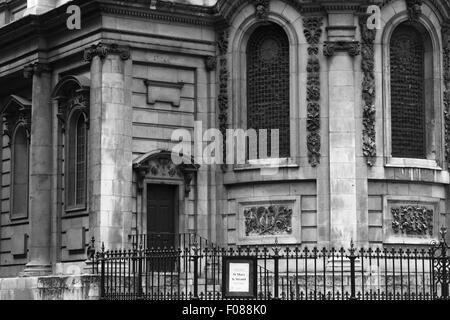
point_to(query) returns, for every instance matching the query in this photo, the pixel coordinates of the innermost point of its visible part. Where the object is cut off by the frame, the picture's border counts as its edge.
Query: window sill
(412, 163)
(266, 164)
(75, 211)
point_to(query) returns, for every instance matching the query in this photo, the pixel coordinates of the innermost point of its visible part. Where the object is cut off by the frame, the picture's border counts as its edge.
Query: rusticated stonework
(412, 220)
(313, 31)
(271, 220)
(103, 49)
(352, 47)
(222, 45)
(368, 91)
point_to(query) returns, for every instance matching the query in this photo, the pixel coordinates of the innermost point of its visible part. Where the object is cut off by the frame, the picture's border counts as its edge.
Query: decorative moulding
(352, 47)
(268, 219)
(446, 59)
(313, 32)
(368, 91)
(162, 91)
(261, 8)
(102, 50)
(159, 165)
(410, 220)
(16, 112)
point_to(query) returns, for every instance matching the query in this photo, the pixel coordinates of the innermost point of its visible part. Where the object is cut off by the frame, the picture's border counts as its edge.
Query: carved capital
(36, 68)
(261, 8)
(102, 50)
(414, 9)
(352, 47)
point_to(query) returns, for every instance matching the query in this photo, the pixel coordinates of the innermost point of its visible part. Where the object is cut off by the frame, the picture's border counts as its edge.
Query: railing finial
(443, 232)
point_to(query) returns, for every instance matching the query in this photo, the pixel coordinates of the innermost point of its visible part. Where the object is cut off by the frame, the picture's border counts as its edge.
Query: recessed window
(20, 173)
(76, 162)
(268, 84)
(408, 114)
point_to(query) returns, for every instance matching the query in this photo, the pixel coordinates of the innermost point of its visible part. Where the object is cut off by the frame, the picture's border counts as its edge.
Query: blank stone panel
(309, 234)
(375, 203)
(375, 234)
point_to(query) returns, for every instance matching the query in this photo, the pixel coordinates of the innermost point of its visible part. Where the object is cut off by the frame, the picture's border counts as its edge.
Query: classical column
(40, 183)
(341, 50)
(110, 141)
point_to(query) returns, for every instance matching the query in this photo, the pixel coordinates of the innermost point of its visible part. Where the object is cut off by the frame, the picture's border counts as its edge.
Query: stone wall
(84, 287)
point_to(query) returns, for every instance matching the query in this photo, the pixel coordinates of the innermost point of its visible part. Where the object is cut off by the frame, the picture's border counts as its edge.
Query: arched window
(408, 96)
(76, 161)
(20, 154)
(268, 84)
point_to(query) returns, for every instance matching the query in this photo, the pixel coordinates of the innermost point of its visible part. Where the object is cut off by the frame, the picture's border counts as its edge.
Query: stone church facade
(88, 117)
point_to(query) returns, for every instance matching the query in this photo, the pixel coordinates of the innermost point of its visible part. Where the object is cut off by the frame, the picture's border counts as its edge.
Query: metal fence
(288, 272)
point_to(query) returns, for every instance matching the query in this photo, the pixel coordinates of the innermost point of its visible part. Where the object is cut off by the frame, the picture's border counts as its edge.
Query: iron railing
(288, 273)
(177, 240)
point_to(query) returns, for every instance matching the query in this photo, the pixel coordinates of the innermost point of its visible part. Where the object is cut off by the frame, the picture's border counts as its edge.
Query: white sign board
(239, 277)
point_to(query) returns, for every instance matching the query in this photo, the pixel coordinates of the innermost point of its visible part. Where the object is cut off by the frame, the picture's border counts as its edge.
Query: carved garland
(446, 53)
(412, 220)
(313, 31)
(222, 45)
(368, 91)
(272, 220)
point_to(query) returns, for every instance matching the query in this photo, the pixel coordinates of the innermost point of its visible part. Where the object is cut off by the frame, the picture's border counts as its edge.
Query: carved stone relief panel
(410, 221)
(267, 219)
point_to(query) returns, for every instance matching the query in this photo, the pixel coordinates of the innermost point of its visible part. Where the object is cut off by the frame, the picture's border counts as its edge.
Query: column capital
(104, 49)
(36, 68)
(352, 47)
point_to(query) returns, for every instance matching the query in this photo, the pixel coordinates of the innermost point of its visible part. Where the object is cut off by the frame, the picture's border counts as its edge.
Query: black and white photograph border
(245, 151)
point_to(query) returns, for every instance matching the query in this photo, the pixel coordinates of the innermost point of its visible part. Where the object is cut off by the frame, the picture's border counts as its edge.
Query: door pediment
(158, 165)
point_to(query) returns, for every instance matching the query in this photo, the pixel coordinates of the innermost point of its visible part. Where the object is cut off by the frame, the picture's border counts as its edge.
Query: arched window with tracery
(268, 84)
(408, 96)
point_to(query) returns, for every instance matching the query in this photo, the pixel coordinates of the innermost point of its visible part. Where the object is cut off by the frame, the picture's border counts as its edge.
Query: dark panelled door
(161, 216)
